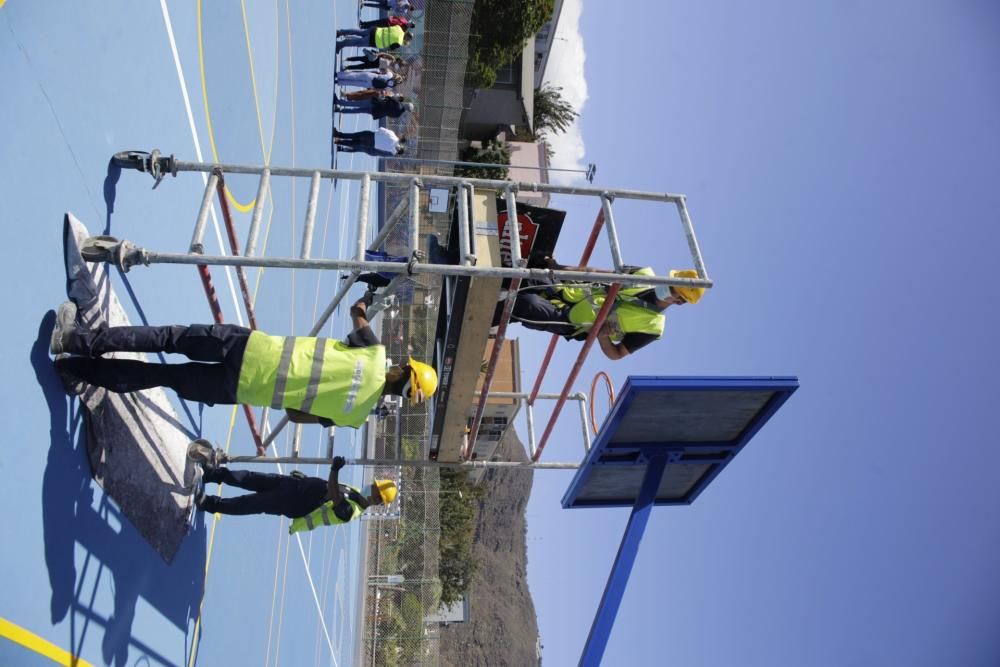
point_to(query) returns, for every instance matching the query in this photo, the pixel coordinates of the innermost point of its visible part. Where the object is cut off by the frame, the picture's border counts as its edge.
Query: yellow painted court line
(242, 208)
(33, 642)
(196, 635)
(253, 80)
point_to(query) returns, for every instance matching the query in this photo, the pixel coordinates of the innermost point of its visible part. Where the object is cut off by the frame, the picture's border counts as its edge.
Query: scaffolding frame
(126, 255)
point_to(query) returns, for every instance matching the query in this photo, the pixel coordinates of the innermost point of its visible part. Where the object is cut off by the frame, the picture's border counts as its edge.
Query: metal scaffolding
(127, 255)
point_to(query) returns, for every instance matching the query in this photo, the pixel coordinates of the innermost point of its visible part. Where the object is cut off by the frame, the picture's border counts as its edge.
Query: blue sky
(840, 162)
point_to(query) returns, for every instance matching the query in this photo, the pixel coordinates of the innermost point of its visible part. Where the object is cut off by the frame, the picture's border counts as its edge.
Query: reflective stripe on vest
(625, 317)
(314, 374)
(284, 363)
(319, 376)
(324, 514)
(577, 292)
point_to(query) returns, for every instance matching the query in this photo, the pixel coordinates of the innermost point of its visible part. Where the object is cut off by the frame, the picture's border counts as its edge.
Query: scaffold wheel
(593, 388)
(131, 160)
(200, 451)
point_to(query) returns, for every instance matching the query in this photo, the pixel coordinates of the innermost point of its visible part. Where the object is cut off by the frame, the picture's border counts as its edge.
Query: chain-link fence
(436, 78)
(402, 584)
(402, 572)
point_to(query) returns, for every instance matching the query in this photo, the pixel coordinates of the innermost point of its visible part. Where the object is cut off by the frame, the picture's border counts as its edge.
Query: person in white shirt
(376, 80)
(381, 142)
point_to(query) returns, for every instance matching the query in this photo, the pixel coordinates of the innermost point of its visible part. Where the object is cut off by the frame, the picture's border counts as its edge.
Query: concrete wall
(527, 164)
(492, 108)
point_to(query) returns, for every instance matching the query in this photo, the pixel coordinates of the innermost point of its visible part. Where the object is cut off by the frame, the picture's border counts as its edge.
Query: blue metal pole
(614, 590)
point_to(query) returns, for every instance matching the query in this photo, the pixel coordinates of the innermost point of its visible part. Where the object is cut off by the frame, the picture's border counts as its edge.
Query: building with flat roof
(544, 39)
(499, 413)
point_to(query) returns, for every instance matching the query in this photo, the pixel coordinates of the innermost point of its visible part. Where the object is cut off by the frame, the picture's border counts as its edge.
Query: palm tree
(552, 112)
(552, 115)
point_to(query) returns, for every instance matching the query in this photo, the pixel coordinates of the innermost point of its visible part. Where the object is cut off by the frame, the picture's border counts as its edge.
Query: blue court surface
(235, 82)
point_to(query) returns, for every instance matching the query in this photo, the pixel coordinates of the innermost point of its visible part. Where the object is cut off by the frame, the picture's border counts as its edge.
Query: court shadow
(110, 192)
(87, 539)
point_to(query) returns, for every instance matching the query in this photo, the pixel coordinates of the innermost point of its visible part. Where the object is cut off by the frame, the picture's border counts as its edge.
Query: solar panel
(698, 423)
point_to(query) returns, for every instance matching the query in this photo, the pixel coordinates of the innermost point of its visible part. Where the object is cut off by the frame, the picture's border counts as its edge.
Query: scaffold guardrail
(127, 255)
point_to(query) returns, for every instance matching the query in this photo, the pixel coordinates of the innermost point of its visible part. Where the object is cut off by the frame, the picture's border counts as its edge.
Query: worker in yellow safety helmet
(316, 380)
(569, 309)
(309, 502)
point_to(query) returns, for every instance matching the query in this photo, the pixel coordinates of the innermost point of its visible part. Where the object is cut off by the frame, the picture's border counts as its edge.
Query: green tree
(494, 152)
(458, 503)
(500, 29)
(552, 115)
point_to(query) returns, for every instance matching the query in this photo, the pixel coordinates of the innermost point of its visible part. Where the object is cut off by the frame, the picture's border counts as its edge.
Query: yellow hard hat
(689, 294)
(423, 381)
(386, 490)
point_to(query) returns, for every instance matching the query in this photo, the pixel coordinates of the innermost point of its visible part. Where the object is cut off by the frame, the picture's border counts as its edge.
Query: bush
(493, 152)
(458, 525)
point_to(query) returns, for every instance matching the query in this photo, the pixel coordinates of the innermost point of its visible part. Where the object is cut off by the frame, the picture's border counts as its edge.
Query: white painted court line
(198, 153)
(197, 150)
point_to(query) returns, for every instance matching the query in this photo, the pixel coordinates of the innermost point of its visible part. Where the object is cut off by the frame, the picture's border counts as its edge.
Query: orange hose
(593, 388)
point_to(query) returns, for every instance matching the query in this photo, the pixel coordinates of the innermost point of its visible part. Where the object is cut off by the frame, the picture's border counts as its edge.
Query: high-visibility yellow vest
(320, 376)
(577, 292)
(386, 37)
(325, 516)
(625, 317)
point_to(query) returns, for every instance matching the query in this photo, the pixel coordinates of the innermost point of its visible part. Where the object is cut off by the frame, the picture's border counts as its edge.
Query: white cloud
(565, 70)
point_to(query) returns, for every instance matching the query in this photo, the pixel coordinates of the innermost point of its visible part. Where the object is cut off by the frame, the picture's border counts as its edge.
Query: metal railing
(127, 255)
(408, 328)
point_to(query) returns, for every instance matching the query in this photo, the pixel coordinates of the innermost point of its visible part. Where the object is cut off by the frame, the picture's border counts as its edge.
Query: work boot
(553, 265)
(200, 497)
(65, 324)
(210, 474)
(73, 385)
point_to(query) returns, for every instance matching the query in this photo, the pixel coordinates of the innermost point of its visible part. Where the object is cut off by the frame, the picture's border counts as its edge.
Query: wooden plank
(475, 331)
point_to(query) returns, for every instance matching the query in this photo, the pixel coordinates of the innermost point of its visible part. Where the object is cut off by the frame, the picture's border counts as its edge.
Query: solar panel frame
(699, 423)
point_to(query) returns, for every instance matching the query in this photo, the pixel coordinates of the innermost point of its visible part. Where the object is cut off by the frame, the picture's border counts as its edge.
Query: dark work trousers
(374, 280)
(375, 23)
(356, 106)
(356, 141)
(275, 494)
(534, 311)
(363, 59)
(364, 65)
(355, 37)
(221, 345)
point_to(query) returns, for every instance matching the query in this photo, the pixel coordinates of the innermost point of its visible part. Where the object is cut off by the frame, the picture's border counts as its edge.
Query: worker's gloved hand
(369, 297)
(339, 462)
